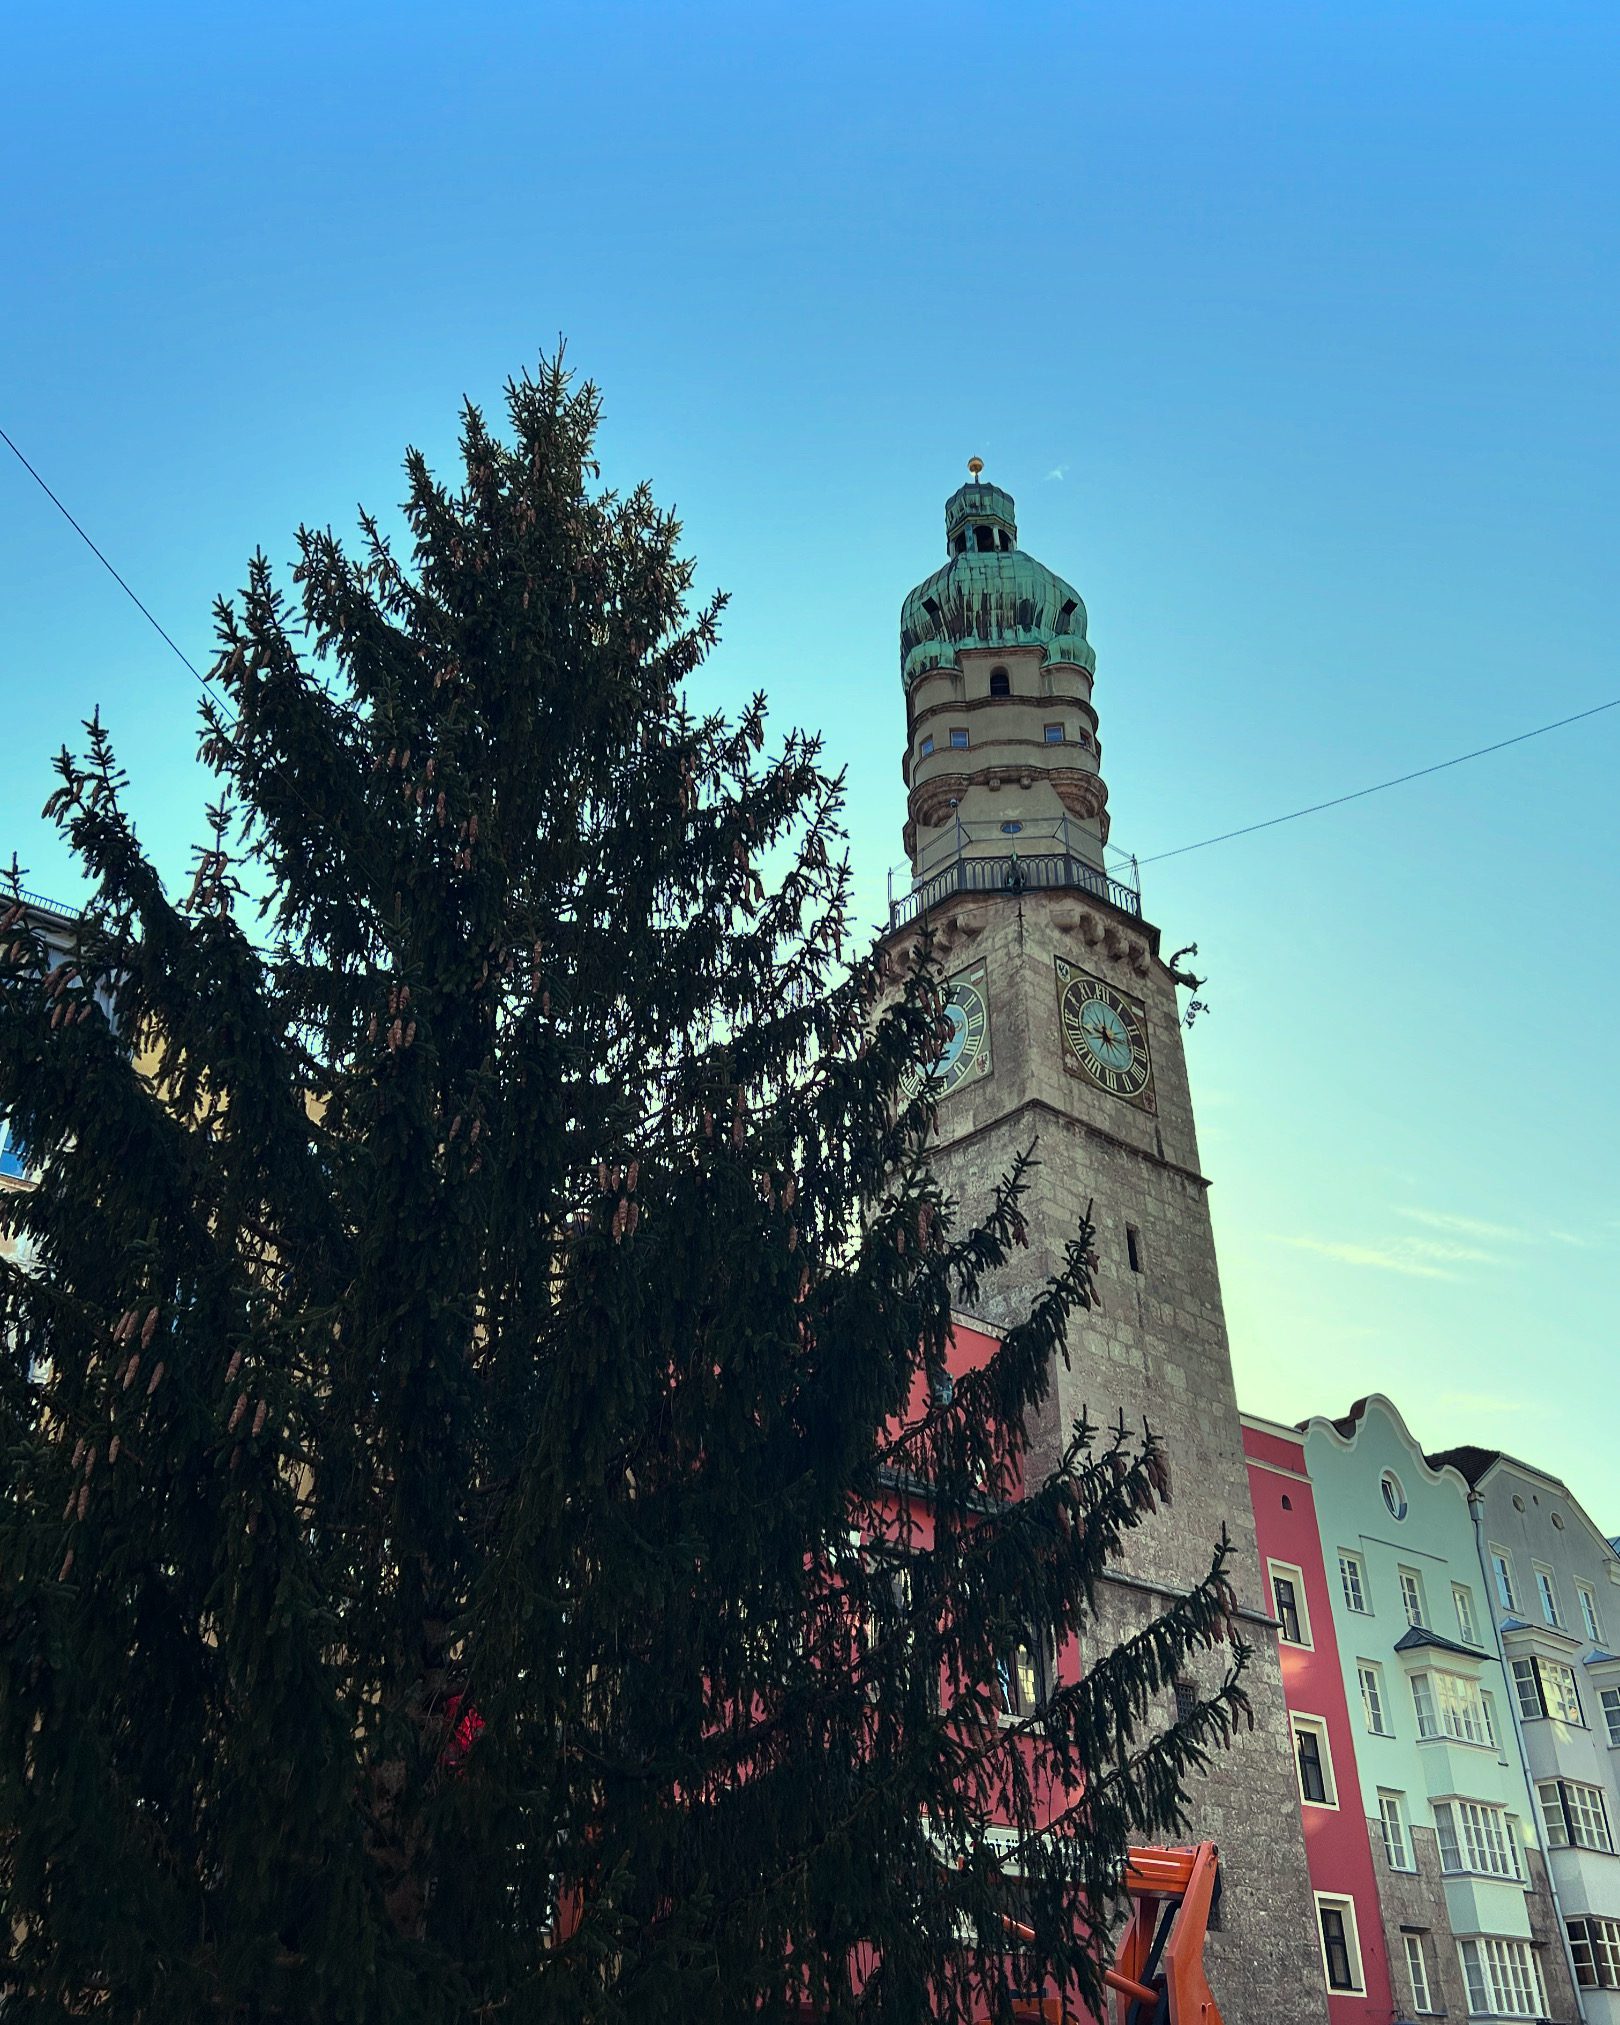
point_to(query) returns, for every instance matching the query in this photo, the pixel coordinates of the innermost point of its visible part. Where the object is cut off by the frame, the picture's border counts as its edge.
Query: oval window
(1394, 1496)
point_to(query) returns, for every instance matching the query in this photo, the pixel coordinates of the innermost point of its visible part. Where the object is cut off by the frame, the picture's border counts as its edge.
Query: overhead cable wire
(181, 655)
(1378, 787)
(145, 612)
(1156, 858)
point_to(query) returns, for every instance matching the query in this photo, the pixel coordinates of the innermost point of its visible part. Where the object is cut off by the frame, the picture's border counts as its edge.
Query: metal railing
(1013, 872)
(45, 906)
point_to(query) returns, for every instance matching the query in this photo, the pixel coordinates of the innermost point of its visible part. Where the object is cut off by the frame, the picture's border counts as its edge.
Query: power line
(1378, 787)
(184, 658)
(179, 652)
(1157, 858)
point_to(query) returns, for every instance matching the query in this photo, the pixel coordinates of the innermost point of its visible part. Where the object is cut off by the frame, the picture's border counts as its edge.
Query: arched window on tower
(984, 538)
(1000, 682)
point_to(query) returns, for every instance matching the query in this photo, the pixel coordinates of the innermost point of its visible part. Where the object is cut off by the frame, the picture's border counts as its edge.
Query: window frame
(925, 746)
(1609, 1703)
(1586, 1601)
(1462, 1602)
(1547, 1594)
(1507, 1594)
(1350, 1560)
(1562, 1822)
(1486, 1971)
(1544, 1711)
(1369, 1672)
(1035, 1657)
(1475, 1829)
(1392, 1813)
(1443, 1702)
(1601, 1974)
(1417, 1973)
(1295, 1579)
(1316, 1728)
(14, 1164)
(1413, 1596)
(960, 741)
(1344, 1907)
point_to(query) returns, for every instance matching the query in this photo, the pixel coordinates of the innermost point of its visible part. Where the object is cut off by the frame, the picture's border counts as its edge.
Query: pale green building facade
(1470, 1925)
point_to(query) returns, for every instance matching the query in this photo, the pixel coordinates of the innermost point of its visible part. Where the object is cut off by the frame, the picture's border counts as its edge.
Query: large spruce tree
(485, 1532)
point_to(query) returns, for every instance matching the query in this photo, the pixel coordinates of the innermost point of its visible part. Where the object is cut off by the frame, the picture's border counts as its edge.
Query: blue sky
(1291, 329)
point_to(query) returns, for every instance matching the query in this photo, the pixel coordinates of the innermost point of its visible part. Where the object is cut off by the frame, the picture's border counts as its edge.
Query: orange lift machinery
(1158, 1975)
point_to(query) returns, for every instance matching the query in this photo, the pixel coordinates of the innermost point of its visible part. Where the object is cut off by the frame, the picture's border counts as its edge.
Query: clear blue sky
(1291, 328)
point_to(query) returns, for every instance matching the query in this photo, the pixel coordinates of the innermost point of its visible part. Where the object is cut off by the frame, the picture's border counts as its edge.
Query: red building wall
(1336, 1845)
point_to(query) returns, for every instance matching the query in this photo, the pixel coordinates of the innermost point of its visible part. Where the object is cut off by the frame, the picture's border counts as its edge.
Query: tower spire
(1001, 735)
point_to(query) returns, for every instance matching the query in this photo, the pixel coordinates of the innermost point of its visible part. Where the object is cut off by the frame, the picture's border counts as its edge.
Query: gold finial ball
(975, 465)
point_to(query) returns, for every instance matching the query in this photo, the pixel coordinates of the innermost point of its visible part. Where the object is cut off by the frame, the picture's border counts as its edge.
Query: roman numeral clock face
(1104, 1036)
(966, 1051)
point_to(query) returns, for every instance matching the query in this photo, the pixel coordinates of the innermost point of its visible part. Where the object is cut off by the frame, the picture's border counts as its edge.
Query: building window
(1054, 734)
(1315, 1762)
(1477, 1838)
(1547, 1593)
(1417, 1973)
(1449, 1705)
(1464, 1602)
(1412, 1597)
(1595, 1945)
(1503, 1978)
(1589, 1616)
(1392, 1818)
(1610, 1698)
(1353, 1581)
(1000, 682)
(1487, 1704)
(1288, 1595)
(13, 1165)
(1373, 1705)
(1394, 1495)
(1341, 1949)
(959, 738)
(926, 747)
(1133, 1247)
(1502, 1569)
(1021, 1677)
(1546, 1687)
(1574, 1815)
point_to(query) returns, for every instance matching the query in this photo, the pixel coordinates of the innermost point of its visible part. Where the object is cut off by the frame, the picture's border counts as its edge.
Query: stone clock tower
(1067, 1035)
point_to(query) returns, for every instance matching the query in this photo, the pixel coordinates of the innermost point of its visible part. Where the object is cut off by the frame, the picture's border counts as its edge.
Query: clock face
(1104, 1035)
(966, 1050)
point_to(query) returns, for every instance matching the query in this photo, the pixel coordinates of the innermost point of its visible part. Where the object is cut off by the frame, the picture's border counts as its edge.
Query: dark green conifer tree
(463, 1452)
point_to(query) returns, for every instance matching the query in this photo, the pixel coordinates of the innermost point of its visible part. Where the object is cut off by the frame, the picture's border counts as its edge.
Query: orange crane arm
(1158, 1975)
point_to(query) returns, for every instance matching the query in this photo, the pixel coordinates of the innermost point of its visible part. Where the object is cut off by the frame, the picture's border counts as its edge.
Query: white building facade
(1553, 1586)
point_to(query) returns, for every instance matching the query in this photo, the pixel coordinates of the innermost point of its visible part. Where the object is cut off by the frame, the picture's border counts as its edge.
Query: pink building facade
(1355, 1966)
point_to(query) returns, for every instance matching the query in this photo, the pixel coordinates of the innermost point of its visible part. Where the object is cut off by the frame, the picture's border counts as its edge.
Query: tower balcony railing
(986, 858)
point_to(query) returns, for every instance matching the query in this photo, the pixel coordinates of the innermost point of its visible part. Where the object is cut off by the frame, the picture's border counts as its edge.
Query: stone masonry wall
(1156, 1349)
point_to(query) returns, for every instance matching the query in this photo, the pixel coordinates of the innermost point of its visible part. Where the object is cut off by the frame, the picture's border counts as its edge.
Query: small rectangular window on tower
(1133, 1247)
(925, 748)
(959, 737)
(1054, 734)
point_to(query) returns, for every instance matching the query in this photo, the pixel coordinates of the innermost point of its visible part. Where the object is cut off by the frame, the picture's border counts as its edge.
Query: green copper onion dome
(990, 593)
